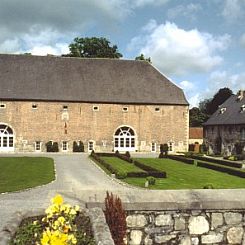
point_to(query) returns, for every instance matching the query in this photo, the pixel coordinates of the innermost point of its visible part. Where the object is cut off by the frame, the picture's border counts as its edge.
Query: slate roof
(232, 115)
(195, 133)
(47, 78)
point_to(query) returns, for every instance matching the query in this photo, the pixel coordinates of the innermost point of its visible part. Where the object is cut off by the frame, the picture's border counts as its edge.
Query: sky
(197, 44)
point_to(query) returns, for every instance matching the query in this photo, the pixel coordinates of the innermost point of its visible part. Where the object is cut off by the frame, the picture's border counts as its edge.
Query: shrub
(127, 154)
(121, 174)
(151, 180)
(181, 159)
(78, 147)
(161, 155)
(117, 153)
(52, 146)
(208, 186)
(115, 218)
(164, 149)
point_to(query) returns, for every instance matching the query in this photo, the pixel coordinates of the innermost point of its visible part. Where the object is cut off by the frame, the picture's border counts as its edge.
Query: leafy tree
(197, 117)
(142, 57)
(93, 47)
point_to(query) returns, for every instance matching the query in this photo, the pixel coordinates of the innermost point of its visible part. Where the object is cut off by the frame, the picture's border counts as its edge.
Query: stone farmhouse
(107, 104)
(224, 132)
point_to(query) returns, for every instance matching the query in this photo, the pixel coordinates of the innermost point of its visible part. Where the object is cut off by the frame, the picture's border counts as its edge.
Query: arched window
(6, 138)
(124, 139)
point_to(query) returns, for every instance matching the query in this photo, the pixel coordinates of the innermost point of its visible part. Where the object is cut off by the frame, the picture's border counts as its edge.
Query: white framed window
(38, 146)
(222, 110)
(90, 145)
(2, 106)
(64, 146)
(125, 109)
(6, 138)
(243, 108)
(65, 107)
(34, 106)
(96, 108)
(157, 109)
(153, 147)
(171, 146)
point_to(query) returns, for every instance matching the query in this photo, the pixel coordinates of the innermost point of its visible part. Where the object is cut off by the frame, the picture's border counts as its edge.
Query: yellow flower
(61, 219)
(58, 200)
(77, 208)
(73, 211)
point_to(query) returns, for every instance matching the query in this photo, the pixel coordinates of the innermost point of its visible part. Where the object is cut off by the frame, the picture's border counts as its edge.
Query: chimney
(240, 95)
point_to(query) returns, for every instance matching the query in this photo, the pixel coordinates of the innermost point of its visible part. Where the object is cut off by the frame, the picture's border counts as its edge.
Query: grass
(185, 176)
(18, 173)
(121, 165)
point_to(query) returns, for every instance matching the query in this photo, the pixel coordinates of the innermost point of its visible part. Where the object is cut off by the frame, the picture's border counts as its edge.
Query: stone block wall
(186, 227)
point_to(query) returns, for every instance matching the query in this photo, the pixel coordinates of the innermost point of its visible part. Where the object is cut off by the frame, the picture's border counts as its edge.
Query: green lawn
(185, 176)
(18, 173)
(121, 165)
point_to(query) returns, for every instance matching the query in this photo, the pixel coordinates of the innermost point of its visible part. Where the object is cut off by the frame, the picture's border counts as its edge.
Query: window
(95, 108)
(222, 110)
(38, 146)
(64, 146)
(90, 146)
(2, 106)
(34, 106)
(153, 147)
(6, 138)
(124, 139)
(157, 109)
(65, 107)
(125, 109)
(243, 108)
(170, 146)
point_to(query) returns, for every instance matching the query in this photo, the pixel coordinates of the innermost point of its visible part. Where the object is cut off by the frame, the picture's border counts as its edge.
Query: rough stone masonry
(186, 227)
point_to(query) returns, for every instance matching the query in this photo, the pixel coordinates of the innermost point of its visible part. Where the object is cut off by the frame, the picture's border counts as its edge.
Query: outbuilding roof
(231, 112)
(48, 78)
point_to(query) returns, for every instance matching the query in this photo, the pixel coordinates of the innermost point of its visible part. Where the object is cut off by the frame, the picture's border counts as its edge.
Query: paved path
(78, 178)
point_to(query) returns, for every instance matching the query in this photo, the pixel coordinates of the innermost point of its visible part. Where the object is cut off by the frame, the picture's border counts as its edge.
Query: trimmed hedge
(181, 159)
(221, 169)
(138, 174)
(150, 170)
(219, 161)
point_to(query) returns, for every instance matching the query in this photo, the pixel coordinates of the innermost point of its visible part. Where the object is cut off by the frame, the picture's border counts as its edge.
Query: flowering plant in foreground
(60, 227)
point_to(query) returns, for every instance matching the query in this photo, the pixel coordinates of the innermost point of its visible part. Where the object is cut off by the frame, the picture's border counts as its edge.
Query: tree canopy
(142, 57)
(200, 114)
(93, 47)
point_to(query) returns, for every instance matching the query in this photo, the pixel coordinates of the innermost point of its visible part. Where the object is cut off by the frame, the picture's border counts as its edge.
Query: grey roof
(232, 115)
(48, 78)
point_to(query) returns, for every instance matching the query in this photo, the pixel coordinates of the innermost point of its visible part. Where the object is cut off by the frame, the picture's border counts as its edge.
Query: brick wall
(49, 121)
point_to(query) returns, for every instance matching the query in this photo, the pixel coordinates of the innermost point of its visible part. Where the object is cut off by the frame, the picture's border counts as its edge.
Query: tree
(142, 57)
(93, 47)
(197, 117)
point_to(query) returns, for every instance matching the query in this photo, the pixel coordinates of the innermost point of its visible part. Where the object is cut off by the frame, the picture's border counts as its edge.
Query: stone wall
(80, 121)
(186, 227)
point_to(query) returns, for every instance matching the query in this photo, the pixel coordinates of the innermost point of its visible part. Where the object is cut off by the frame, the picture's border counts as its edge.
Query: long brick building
(108, 104)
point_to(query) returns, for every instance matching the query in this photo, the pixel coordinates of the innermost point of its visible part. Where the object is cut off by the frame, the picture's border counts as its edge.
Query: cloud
(186, 85)
(188, 11)
(141, 3)
(176, 51)
(220, 79)
(233, 10)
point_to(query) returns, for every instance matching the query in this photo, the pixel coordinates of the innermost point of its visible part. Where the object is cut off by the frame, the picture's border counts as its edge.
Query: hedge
(181, 159)
(150, 170)
(219, 161)
(221, 169)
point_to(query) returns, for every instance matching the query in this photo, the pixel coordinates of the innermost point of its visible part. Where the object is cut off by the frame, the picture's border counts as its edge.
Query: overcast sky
(198, 44)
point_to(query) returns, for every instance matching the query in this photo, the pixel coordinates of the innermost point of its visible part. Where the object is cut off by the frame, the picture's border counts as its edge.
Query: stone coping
(100, 228)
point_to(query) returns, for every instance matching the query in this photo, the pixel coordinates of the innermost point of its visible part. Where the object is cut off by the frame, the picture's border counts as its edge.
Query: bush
(151, 180)
(181, 159)
(161, 155)
(124, 157)
(121, 174)
(127, 154)
(52, 146)
(208, 186)
(164, 148)
(78, 147)
(115, 218)
(117, 153)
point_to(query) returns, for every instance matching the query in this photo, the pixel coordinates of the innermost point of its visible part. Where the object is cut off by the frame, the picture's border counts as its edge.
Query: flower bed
(63, 225)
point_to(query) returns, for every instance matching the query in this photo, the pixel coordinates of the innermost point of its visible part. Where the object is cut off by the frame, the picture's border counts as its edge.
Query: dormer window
(243, 108)
(222, 110)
